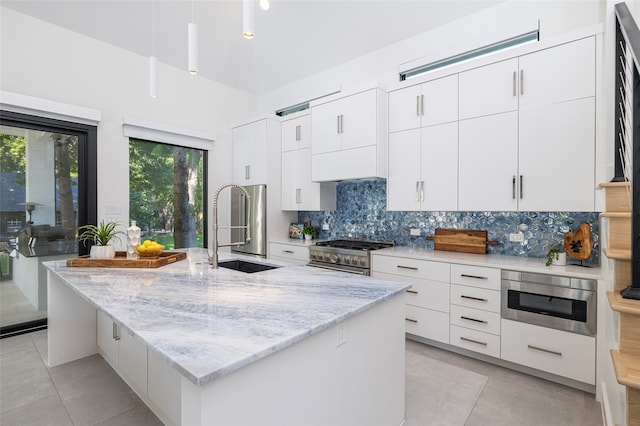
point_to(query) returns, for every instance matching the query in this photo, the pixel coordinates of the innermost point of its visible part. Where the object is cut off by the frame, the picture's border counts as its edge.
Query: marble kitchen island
(294, 345)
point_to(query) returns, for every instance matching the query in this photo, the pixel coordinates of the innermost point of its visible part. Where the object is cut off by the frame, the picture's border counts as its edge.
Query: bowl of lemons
(149, 249)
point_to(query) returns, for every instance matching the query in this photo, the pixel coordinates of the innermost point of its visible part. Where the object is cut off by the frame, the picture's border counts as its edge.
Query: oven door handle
(333, 268)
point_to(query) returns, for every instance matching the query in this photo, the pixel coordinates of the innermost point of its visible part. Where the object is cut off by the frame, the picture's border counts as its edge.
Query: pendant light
(193, 44)
(153, 61)
(265, 5)
(248, 18)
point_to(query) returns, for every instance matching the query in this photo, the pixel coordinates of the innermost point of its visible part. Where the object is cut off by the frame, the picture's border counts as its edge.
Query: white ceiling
(295, 39)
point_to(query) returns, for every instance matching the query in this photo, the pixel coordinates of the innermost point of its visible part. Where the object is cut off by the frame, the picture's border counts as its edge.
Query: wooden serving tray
(461, 240)
(121, 261)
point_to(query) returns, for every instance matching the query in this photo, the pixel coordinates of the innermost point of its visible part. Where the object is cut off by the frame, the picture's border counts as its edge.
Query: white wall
(42, 60)
(504, 20)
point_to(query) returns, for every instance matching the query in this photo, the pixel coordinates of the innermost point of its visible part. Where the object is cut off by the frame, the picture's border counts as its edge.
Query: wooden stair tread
(613, 184)
(620, 304)
(623, 215)
(627, 368)
(621, 254)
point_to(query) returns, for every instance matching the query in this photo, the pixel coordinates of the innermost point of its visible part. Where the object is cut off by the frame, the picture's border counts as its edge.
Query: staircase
(626, 360)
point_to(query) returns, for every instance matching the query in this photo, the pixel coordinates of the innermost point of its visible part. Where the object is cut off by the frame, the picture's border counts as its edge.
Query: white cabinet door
(488, 163)
(490, 89)
(439, 101)
(291, 169)
(105, 336)
(298, 191)
(325, 127)
(558, 74)
(132, 360)
(403, 183)
(249, 153)
(296, 133)
(358, 124)
(439, 167)
(404, 109)
(557, 157)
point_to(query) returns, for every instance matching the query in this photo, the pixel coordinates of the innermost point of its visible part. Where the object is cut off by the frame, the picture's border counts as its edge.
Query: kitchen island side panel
(316, 381)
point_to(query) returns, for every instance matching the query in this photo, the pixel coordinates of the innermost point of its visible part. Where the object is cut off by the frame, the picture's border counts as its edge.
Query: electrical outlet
(414, 232)
(342, 334)
(325, 226)
(517, 237)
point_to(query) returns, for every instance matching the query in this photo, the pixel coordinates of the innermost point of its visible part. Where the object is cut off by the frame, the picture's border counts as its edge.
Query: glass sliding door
(43, 200)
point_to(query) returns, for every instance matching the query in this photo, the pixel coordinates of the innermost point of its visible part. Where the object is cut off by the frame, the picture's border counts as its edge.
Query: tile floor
(442, 389)
(15, 308)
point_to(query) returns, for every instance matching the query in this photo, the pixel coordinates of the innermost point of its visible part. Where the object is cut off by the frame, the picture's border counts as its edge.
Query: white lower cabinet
(558, 352)
(427, 301)
(127, 355)
(297, 254)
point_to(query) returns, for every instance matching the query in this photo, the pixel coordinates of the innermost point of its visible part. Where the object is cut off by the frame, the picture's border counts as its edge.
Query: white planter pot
(561, 260)
(308, 237)
(102, 252)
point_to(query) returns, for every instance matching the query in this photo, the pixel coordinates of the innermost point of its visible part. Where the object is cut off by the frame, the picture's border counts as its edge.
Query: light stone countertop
(524, 264)
(209, 322)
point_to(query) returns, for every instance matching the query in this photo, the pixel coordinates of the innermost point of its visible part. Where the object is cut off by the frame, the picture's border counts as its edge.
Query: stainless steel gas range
(345, 254)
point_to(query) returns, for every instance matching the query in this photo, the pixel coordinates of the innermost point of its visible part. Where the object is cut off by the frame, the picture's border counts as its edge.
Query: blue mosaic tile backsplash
(361, 212)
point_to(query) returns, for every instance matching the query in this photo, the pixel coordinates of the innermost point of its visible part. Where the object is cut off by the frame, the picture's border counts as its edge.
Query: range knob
(363, 261)
(334, 258)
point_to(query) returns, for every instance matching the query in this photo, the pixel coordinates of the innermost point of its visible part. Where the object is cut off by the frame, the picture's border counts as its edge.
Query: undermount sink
(244, 266)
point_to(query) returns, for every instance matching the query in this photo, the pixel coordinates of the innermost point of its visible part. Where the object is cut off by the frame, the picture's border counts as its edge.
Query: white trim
(157, 132)
(30, 105)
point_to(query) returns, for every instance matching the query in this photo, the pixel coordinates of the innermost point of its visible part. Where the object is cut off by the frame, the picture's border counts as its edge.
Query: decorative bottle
(133, 240)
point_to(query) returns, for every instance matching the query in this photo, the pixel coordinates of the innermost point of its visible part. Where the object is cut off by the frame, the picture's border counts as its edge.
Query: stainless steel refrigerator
(257, 217)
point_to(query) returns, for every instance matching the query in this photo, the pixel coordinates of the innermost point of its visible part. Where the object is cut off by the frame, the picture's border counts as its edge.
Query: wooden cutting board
(461, 240)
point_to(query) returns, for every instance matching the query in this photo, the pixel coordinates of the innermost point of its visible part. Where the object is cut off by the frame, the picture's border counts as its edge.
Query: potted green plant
(556, 256)
(102, 236)
(309, 232)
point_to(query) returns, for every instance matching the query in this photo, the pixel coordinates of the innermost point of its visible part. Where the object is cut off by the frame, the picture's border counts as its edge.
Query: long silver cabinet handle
(298, 195)
(466, 339)
(411, 291)
(513, 187)
(116, 336)
(247, 172)
(298, 132)
(549, 351)
(473, 319)
(522, 82)
(418, 105)
(521, 190)
(411, 320)
(477, 277)
(412, 268)
(479, 299)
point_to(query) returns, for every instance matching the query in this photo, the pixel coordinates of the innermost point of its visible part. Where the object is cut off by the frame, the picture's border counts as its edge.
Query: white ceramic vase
(308, 236)
(561, 260)
(102, 252)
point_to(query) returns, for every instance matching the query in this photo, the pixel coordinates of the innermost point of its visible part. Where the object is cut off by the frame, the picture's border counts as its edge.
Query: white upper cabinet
(558, 74)
(426, 104)
(296, 133)
(249, 153)
(488, 163)
(491, 89)
(349, 137)
(298, 191)
(423, 172)
(539, 156)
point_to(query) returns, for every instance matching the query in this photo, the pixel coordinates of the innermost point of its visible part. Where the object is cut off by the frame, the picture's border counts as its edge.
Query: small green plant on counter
(553, 254)
(100, 234)
(309, 230)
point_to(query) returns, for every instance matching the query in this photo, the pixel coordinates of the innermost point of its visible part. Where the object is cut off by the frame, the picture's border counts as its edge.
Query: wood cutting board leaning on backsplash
(461, 240)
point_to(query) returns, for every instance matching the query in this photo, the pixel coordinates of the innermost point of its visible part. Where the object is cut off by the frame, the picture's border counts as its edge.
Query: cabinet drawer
(476, 276)
(435, 271)
(426, 323)
(423, 293)
(474, 297)
(558, 352)
(488, 322)
(477, 341)
(289, 251)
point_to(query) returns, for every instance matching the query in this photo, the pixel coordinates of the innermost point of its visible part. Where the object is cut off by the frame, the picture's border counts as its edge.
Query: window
(167, 193)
